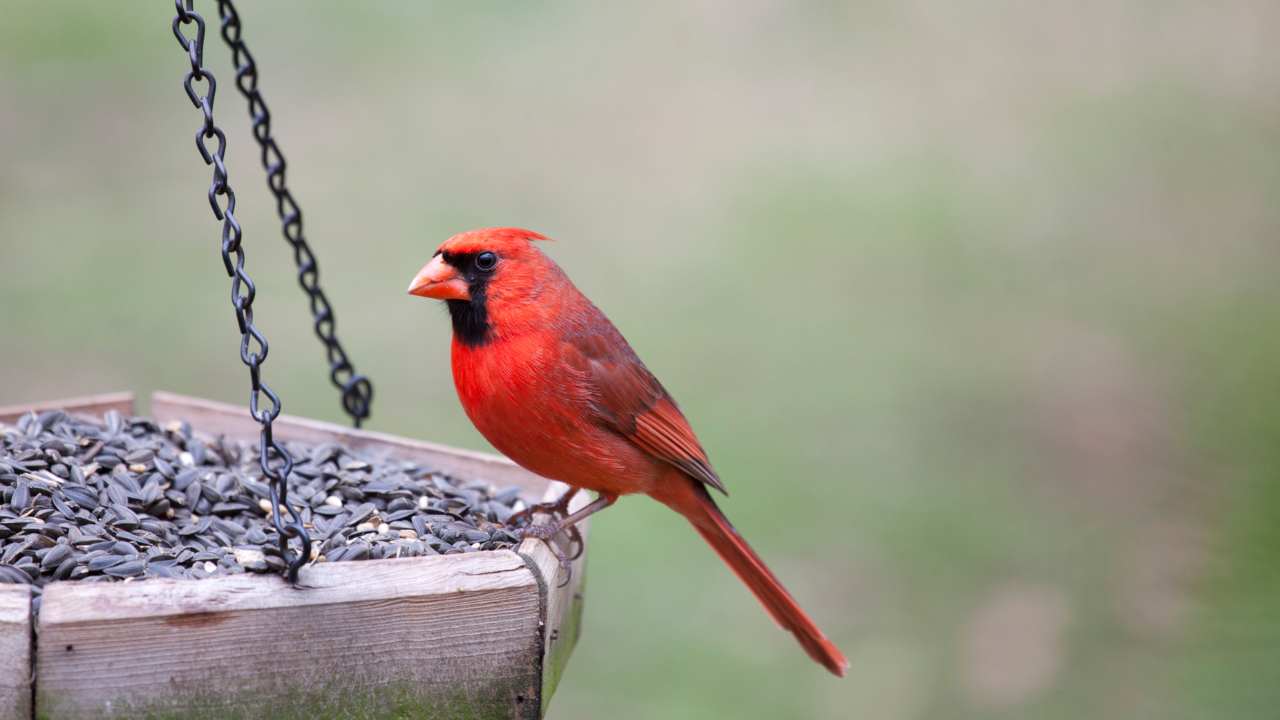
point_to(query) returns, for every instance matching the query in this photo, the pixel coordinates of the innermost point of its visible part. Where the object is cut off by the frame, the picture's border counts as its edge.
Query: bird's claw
(548, 533)
(559, 511)
(575, 542)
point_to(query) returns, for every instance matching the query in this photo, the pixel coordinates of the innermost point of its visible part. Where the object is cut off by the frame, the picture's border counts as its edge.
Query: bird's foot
(548, 533)
(558, 510)
(542, 532)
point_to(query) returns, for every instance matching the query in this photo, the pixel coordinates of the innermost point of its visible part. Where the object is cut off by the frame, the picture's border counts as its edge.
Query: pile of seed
(127, 499)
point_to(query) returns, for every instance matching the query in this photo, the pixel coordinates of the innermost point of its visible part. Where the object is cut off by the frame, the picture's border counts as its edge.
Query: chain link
(357, 391)
(274, 459)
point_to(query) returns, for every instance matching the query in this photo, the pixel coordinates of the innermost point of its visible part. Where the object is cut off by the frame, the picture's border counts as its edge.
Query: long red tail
(691, 499)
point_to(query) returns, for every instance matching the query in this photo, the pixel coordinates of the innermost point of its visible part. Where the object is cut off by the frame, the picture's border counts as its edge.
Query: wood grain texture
(90, 405)
(564, 600)
(215, 417)
(15, 652)
(446, 636)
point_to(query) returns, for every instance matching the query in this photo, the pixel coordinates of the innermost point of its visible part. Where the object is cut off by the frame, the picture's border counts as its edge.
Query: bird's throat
(471, 319)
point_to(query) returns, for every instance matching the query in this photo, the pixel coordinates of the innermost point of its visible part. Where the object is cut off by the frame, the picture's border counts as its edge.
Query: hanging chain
(273, 457)
(357, 391)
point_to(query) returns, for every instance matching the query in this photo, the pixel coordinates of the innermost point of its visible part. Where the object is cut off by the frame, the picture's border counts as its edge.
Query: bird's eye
(486, 261)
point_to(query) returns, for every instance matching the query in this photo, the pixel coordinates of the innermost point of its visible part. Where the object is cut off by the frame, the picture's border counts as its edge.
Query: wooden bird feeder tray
(476, 635)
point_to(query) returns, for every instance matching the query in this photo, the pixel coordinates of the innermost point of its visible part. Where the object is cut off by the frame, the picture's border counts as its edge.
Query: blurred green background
(973, 305)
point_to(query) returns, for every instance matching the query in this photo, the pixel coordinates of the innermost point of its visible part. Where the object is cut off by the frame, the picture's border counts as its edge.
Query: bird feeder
(477, 635)
(482, 634)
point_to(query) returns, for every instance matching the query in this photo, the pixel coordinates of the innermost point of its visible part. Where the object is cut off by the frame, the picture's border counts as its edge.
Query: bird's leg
(557, 508)
(569, 523)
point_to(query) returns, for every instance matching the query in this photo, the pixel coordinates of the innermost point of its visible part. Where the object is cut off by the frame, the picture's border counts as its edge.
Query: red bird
(552, 384)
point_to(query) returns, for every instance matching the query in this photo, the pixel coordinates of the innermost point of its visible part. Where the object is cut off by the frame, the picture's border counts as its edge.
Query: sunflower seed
(131, 568)
(21, 498)
(54, 557)
(102, 562)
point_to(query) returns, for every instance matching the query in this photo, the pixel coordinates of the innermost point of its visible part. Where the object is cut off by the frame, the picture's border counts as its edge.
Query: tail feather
(694, 502)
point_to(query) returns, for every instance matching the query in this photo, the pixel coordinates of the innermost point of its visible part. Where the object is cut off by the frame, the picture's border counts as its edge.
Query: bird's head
(466, 264)
(476, 270)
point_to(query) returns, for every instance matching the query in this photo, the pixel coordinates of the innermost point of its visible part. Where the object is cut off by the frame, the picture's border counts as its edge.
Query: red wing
(631, 401)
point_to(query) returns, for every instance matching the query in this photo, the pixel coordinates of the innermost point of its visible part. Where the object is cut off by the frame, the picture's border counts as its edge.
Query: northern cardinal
(547, 379)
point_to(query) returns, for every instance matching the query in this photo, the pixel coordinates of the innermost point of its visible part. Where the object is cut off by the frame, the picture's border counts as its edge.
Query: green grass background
(973, 305)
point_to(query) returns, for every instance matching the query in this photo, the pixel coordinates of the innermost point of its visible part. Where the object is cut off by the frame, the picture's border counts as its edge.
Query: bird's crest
(496, 239)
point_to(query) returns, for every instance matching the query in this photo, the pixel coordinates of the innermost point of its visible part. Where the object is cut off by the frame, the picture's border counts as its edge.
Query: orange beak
(440, 280)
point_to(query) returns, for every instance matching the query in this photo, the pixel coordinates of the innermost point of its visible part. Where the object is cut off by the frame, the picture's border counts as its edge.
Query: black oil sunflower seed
(123, 498)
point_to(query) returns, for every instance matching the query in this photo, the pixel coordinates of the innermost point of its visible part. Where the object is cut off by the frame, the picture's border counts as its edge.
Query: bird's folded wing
(631, 401)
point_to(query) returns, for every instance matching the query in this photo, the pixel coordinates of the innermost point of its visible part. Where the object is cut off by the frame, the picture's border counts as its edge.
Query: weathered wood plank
(324, 583)
(440, 637)
(89, 405)
(215, 417)
(15, 652)
(563, 605)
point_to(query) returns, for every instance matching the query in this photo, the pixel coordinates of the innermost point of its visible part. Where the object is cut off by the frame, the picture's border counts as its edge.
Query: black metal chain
(274, 459)
(357, 391)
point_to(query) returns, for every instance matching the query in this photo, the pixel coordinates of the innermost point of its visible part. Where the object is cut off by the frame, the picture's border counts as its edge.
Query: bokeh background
(973, 304)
